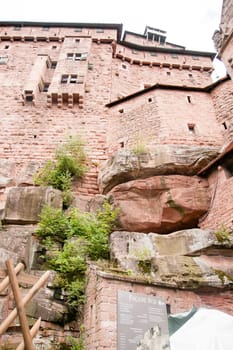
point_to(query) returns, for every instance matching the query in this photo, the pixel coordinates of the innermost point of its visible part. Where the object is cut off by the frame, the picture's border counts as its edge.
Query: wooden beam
(33, 331)
(12, 316)
(19, 305)
(6, 280)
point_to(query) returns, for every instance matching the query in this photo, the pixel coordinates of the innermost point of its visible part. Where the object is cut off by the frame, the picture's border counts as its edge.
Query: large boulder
(161, 204)
(15, 243)
(24, 204)
(184, 259)
(126, 165)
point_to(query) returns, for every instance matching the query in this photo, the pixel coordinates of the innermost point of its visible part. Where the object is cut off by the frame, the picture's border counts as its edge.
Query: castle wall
(167, 117)
(223, 104)
(220, 211)
(100, 314)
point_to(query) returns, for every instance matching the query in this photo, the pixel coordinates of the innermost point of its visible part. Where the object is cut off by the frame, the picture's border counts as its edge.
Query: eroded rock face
(24, 204)
(125, 165)
(14, 243)
(161, 204)
(184, 259)
(7, 173)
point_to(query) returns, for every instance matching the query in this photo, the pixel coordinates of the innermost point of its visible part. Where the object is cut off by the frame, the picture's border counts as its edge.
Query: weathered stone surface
(24, 204)
(27, 173)
(43, 305)
(7, 173)
(14, 243)
(161, 204)
(125, 165)
(177, 260)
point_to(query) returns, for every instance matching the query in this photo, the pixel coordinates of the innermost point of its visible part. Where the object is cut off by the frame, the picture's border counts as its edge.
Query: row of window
(45, 28)
(72, 79)
(174, 56)
(76, 56)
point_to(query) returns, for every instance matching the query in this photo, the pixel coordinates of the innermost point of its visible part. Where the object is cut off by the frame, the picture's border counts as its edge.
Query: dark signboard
(141, 322)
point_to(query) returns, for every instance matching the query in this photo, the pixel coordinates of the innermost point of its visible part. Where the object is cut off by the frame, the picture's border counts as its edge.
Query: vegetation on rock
(81, 237)
(69, 164)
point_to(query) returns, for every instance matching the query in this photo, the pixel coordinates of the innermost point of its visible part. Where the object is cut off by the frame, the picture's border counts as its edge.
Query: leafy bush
(69, 163)
(83, 236)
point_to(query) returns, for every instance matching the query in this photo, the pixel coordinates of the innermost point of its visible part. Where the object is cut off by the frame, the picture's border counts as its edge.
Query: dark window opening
(121, 110)
(149, 99)
(191, 128)
(124, 66)
(54, 47)
(77, 40)
(69, 56)
(73, 79)
(190, 75)
(64, 79)
(189, 99)
(6, 47)
(28, 98)
(45, 87)
(45, 29)
(122, 144)
(53, 65)
(224, 125)
(168, 73)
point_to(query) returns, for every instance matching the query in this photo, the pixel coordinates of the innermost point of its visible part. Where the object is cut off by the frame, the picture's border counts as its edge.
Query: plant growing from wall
(223, 234)
(82, 237)
(69, 163)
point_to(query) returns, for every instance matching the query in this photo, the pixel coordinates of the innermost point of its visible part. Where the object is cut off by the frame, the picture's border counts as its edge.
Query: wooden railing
(28, 334)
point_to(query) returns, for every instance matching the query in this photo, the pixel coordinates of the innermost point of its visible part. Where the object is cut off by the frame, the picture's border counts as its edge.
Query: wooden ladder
(28, 334)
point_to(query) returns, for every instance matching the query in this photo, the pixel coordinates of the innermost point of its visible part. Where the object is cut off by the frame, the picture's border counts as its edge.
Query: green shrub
(83, 236)
(69, 164)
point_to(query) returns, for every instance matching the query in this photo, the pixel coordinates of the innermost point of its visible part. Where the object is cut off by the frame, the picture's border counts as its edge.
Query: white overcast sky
(190, 23)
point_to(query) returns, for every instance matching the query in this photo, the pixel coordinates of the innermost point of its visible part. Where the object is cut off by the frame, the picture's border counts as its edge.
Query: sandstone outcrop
(161, 204)
(24, 204)
(184, 259)
(125, 165)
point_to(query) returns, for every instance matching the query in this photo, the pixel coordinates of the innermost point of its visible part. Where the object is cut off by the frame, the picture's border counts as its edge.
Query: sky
(190, 23)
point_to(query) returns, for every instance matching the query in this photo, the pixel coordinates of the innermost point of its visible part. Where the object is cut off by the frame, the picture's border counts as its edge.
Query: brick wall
(165, 116)
(221, 207)
(100, 316)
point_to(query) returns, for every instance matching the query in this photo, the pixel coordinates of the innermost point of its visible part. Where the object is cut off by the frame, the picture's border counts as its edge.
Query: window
(196, 58)
(78, 30)
(76, 56)
(189, 99)
(28, 94)
(3, 59)
(174, 56)
(77, 41)
(190, 75)
(168, 73)
(73, 78)
(64, 79)
(134, 52)
(191, 128)
(99, 30)
(124, 66)
(53, 65)
(54, 47)
(45, 29)
(6, 47)
(17, 28)
(150, 100)
(69, 56)
(45, 87)
(81, 56)
(224, 124)
(153, 54)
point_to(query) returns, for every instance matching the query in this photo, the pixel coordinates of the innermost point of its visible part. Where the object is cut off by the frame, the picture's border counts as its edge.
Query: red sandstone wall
(163, 116)
(221, 208)
(223, 104)
(100, 317)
